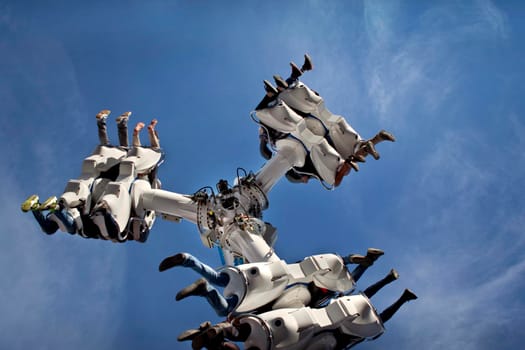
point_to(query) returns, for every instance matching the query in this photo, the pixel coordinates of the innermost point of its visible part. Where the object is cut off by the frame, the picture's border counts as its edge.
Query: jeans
(222, 306)
(209, 273)
(48, 222)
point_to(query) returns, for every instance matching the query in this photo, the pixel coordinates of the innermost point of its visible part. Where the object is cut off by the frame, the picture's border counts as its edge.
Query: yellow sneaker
(50, 204)
(30, 204)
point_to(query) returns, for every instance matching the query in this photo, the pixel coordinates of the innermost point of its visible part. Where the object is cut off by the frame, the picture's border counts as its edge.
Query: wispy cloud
(407, 66)
(465, 265)
(54, 290)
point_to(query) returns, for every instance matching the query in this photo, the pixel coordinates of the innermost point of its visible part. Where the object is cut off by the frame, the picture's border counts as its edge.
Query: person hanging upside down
(309, 290)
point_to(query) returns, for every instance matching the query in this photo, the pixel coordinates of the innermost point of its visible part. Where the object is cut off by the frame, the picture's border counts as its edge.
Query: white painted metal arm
(349, 318)
(290, 153)
(169, 203)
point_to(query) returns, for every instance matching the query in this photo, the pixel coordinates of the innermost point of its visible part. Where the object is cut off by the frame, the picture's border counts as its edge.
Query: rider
(304, 293)
(341, 324)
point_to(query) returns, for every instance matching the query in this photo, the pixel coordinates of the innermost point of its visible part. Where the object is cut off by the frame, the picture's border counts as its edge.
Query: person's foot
(296, 72)
(371, 149)
(353, 165)
(359, 259)
(123, 116)
(172, 261)
(281, 83)
(152, 124)
(196, 288)
(269, 88)
(393, 274)
(386, 136)
(218, 329)
(357, 158)
(103, 114)
(408, 295)
(49, 204)
(191, 333)
(138, 127)
(188, 334)
(374, 253)
(30, 203)
(307, 65)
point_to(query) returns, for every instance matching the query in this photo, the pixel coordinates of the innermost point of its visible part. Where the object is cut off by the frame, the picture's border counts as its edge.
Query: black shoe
(197, 288)
(296, 72)
(281, 83)
(172, 261)
(268, 87)
(394, 275)
(218, 329)
(188, 334)
(374, 253)
(359, 259)
(192, 333)
(307, 65)
(386, 136)
(408, 295)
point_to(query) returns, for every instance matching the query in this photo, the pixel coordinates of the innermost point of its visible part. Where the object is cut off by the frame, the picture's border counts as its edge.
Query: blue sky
(446, 201)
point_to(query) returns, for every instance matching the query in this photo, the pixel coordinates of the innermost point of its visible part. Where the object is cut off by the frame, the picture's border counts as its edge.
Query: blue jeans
(358, 271)
(222, 306)
(50, 226)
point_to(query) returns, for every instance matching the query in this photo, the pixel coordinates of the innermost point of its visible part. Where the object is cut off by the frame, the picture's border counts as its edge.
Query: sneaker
(197, 288)
(296, 72)
(103, 114)
(307, 65)
(30, 204)
(188, 334)
(50, 204)
(281, 83)
(394, 274)
(218, 329)
(408, 295)
(359, 259)
(123, 116)
(192, 333)
(374, 253)
(268, 87)
(386, 136)
(172, 261)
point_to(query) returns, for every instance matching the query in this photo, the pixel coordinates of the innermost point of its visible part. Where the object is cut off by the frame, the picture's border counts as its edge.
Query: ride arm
(169, 203)
(290, 153)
